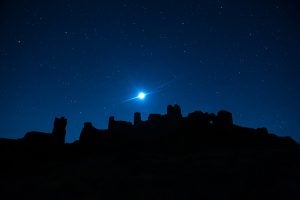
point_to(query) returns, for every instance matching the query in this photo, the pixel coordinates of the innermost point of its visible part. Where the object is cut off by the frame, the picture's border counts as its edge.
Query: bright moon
(141, 95)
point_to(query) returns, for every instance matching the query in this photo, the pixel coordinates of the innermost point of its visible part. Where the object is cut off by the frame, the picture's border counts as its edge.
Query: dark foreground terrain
(206, 172)
(201, 156)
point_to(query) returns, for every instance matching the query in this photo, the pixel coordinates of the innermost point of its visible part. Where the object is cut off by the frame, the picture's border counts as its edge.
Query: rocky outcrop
(57, 137)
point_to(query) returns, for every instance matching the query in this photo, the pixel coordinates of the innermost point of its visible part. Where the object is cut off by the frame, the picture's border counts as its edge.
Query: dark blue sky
(83, 59)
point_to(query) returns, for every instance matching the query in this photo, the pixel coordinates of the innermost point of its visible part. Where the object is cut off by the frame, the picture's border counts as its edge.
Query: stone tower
(137, 118)
(59, 130)
(174, 112)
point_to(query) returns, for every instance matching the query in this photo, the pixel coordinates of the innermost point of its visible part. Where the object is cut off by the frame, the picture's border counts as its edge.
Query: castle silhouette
(164, 129)
(168, 156)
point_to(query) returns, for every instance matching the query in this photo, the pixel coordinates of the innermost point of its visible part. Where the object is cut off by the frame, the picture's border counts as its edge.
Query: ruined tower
(85, 131)
(224, 118)
(137, 118)
(174, 112)
(59, 130)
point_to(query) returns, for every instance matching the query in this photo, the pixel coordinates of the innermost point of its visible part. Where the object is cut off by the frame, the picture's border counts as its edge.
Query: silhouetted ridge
(57, 137)
(90, 135)
(170, 130)
(174, 129)
(167, 156)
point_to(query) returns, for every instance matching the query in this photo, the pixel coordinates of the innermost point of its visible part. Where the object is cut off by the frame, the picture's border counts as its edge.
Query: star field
(82, 59)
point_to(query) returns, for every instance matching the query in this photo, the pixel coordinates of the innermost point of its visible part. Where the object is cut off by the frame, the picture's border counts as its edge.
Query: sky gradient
(85, 59)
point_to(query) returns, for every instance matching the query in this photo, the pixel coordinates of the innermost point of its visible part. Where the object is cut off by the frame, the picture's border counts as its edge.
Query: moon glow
(141, 95)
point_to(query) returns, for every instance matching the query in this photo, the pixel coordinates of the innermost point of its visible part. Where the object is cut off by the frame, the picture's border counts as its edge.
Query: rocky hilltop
(168, 156)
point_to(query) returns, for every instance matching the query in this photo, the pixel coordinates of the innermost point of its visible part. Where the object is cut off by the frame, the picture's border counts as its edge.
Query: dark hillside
(201, 156)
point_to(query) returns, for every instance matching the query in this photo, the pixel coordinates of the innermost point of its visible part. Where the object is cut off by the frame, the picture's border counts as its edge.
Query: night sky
(87, 60)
